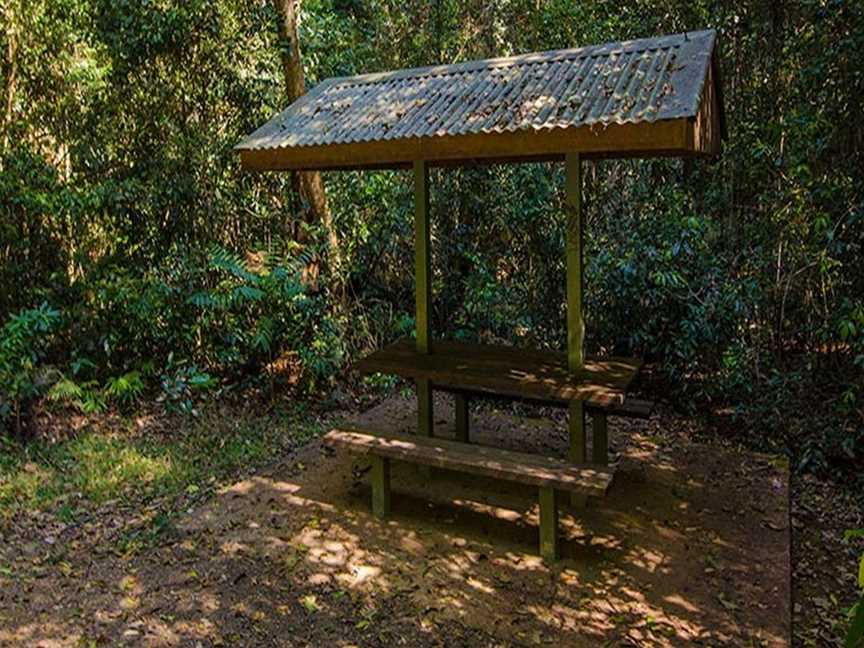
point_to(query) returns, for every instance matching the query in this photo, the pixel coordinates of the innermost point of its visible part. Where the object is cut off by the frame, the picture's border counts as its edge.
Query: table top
(508, 371)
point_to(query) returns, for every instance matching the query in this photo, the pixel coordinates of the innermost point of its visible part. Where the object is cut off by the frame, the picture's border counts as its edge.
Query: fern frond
(204, 299)
(263, 338)
(242, 294)
(65, 390)
(126, 388)
(222, 259)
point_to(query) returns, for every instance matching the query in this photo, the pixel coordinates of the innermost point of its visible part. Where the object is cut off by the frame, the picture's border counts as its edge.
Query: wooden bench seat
(548, 474)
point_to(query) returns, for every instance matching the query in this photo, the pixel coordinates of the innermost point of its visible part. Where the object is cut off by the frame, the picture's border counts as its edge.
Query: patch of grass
(106, 468)
(103, 465)
(29, 485)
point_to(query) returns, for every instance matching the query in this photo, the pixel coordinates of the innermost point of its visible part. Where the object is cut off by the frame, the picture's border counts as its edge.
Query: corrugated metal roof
(616, 83)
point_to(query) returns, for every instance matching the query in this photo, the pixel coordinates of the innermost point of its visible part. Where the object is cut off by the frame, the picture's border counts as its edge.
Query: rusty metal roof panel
(636, 81)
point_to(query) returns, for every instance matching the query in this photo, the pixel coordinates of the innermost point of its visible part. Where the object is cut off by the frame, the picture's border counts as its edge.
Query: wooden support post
(600, 452)
(578, 453)
(578, 448)
(380, 486)
(575, 322)
(548, 524)
(423, 290)
(462, 417)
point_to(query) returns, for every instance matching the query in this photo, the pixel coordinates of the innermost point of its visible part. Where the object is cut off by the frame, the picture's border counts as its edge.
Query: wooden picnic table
(486, 111)
(495, 370)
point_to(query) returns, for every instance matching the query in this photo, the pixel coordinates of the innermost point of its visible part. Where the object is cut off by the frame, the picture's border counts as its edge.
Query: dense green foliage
(172, 272)
(22, 343)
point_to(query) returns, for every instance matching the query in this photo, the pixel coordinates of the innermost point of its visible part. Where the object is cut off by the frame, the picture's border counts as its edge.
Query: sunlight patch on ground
(107, 467)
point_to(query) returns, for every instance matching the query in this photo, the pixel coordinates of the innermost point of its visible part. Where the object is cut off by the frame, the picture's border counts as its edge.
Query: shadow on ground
(690, 545)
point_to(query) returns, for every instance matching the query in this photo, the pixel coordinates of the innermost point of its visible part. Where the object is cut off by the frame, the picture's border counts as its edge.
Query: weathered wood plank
(662, 138)
(506, 371)
(518, 467)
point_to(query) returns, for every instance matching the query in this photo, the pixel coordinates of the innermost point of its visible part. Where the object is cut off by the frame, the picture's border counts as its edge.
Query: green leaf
(126, 388)
(855, 636)
(248, 293)
(65, 390)
(852, 534)
(310, 603)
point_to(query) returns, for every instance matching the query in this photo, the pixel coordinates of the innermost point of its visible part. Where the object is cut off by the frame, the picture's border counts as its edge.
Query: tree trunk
(12, 74)
(309, 184)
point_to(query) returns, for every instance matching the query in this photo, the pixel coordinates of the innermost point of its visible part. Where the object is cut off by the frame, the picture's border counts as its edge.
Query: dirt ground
(690, 546)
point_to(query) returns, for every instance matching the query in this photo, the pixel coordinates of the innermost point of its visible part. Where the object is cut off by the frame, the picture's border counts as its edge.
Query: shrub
(23, 341)
(663, 290)
(193, 324)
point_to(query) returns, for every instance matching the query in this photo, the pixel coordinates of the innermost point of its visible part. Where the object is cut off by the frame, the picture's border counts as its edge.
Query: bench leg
(462, 417)
(548, 524)
(600, 426)
(577, 453)
(380, 486)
